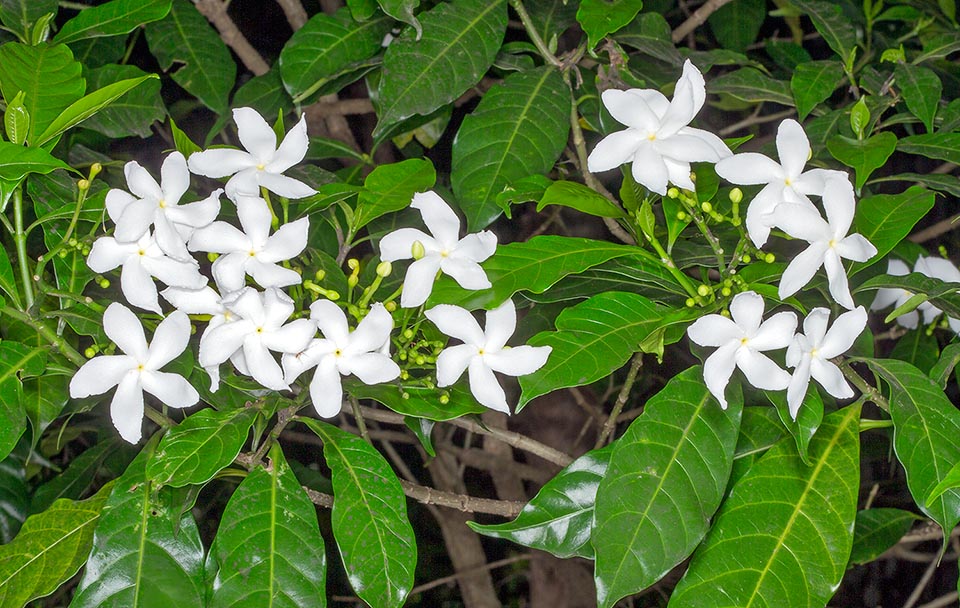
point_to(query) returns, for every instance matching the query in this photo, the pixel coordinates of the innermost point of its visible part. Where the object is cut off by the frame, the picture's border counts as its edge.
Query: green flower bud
(95, 170)
(444, 398)
(320, 274)
(352, 280)
(408, 334)
(104, 283)
(736, 195)
(704, 290)
(725, 291)
(83, 184)
(384, 269)
(390, 306)
(681, 215)
(707, 207)
(90, 352)
(673, 193)
(745, 258)
(769, 258)
(353, 264)
(420, 360)
(691, 302)
(405, 395)
(417, 250)
(212, 257)
(333, 296)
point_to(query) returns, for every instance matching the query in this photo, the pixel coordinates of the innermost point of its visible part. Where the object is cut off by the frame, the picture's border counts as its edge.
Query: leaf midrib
(137, 9)
(94, 515)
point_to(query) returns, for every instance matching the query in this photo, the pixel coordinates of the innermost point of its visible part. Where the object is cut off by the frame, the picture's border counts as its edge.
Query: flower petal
(263, 367)
(519, 360)
(477, 247)
(439, 218)
(815, 326)
(844, 332)
(137, 286)
(174, 272)
(100, 374)
(135, 220)
(254, 214)
(331, 321)
(746, 308)
(687, 147)
(126, 409)
(169, 340)
(141, 183)
(326, 392)
(116, 201)
(801, 269)
(204, 301)
(287, 242)
(169, 240)
(198, 214)
(398, 245)
(292, 337)
(749, 168)
(500, 324)
(272, 275)
(255, 134)
(230, 271)
(830, 378)
(217, 344)
(856, 247)
(284, 186)
(372, 331)
(453, 361)
(106, 254)
(775, 332)
(800, 222)
(631, 108)
(839, 203)
(714, 330)
(837, 279)
(760, 371)
(797, 389)
(466, 273)
(793, 147)
(419, 280)
(371, 368)
(649, 169)
(458, 323)
(485, 386)
(292, 149)
(718, 368)
(220, 162)
(614, 150)
(219, 237)
(174, 178)
(172, 389)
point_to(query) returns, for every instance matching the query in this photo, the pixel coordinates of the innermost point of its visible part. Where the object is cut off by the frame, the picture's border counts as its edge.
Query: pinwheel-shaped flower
(158, 205)
(342, 352)
(253, 250)
(483, 351)
(443, 251)
(829, 242)
(138, 369)
(811, 351)
(785, 182)
(658, 140)
(263, 162)
(141, 261)
(258, 330)
(740, 343)
(888, 296)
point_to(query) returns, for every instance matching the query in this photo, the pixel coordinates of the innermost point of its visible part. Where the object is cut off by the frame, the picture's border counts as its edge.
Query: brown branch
(696, 19)
(461, 502)
(216, 13)
(453, 577)
(293, 9)
(932, 232)
(340, 107)
(319, 498)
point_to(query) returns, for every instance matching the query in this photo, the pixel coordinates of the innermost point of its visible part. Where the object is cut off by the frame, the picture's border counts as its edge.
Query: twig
(293, 9)
(922, 584)
(611, 423)
(319, 498)
(865, 387)
(461, 502)
(949, 599)
(932, 232)
(216, 13)
(755, 119)
(340, 107)
(453, 577)
(696, 19)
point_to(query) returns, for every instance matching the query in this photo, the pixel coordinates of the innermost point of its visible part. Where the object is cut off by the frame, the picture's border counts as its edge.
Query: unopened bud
(353, 264)
(690, 302)
(408, 334)
(736, 195)
(104, 283)
(417, 250)
(384, 269)
(704, 290)
(707, 207)
(95, 170)
(212, 257)
(333, 295)
(681, 215)
(444, 398)
(725, 291)
(352, 280)
(83, 184)
(673, 193)
(769, 258)
(320, 274)
(390, 306)
(745, 258)
(90, 352)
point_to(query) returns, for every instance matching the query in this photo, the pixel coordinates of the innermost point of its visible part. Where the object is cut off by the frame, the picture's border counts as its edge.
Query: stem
(534, 34)
(869, 391)
(20, 238)
(47, 334)
(159, 418)
(672, 268)
(361, 424)
(81, 198)
(611, 423)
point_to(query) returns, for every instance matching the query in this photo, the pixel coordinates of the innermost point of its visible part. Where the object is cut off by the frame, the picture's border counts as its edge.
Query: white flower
(142, 260)
(483, 351)
(263, 162)
(785, 182)
(936, 268)
(258, 330)
(829, 242)
(658, 140)
(740, 343)
(444, 251)
(888, 296)
(138, 369)
(811, 351)
(253, 250)
(158, 205)
(342, 352)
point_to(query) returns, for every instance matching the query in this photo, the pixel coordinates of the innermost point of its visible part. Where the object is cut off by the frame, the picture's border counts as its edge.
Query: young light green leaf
(887, 219)
(16, 162)
(196, 449)
(877, 530)
(20, 15)
(666, 478)
(49, 549)
(459, 43)
(134, 112)
(813, 82)
(268, 552)
(391, 188)
(938, 146)
(783, 536)
(182, 141)
(559, 518)
(112, 19)
(863, 155)
(369, 518)
(518, 129)
(921, 89)
(949, 358)
(944, 296)
(837, 30)
(749, 84)
(579, 197)
(601, 17)
(736, 24)
(48, 76)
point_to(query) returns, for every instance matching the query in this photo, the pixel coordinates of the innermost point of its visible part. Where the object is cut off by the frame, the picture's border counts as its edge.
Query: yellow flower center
(337, 353)
(261, 167)
(162, 203)
(141, 252)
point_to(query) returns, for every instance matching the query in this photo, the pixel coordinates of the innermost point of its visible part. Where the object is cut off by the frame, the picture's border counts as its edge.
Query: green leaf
(73, 482)
(559, 518)
(16, 162)
(944, 296)
(863, 155)
(532, 266)
(391, 187)
(420, 402)
(748, 84)
(98, 52)
(89, 105)
(593, 339)
(760, 430)
(925, 427)
(19, 15)
(402, 10)
(134, 112)
(184, 37)
(551, 17)
(783, 536)
(650, 33)
(44, 398)
(941, 183)
(268, 552)
(519, 129)
(8, 282)
(362, 9)
(326, 47)
(112, 19)
(182, 141)
(666, 478)
(813, 82)
(737, 24)
(601, 17)
(950, 481)
(146, 550)
(47, 74)
(265, 94)
(809, 417)
(837, 30)
(949, 357)
(938, 146)
(877, 530)
(921, 89)
(459, 43)
(196, 449)
(369, 518)
(49, 549)
(579, 197)
(938, 46)
(13, 420)
(887, 219)
(918, 348)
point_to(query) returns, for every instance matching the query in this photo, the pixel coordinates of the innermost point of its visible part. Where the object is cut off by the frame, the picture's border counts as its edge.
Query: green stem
(868, 390)
(671, 267)
(81, 198)
(20, 238)
(534, 34)
(358, 416)
(47, 334)
(611, 423)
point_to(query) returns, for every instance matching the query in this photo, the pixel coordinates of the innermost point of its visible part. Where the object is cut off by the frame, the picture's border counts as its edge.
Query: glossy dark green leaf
(74, 481)
(559, 518)
(813, 82)
(195, 450)
(531, 266)
(666, 478)
(650, 33)
(938, 46)
(133, 113)
(327, 46)
(8, 284)
(551, 17)
(941, 183)
(601, 17)
(47, 74)
(17, 161)
(391, 187)
(268, 552)
(19, 15)
(938, 146)
(205, 67)
(16, 360)
(362, 9)
(760, 430)
(579, 197)
(112, 19)
(921, 89)
(887, 219)
(519, 129)
(945, 296)
(783, 536)
(835, 27)
(98, 52)
(925, 425)
(420, 402)
(737, 24)
(863, 155)
(877, 530)
(146, 552)
(459, 43)
(809, 417)
(43, 400)
(402, 10)
(918, 348)
(748, 84)
(49, 549)
(265, 94)
(949, 358)
(369, 518)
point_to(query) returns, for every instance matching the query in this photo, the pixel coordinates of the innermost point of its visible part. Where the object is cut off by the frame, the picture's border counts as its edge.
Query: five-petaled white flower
(158, 205)
(253, 250)
(785, 182)
(658, 140)
(829, 242)
(141, 260)
(263, 162)
(342, 352)
(811, 351)
(483, 351)
(888, 296)
(741, 342)
(259, 329)
(444, 251)
(138, 369)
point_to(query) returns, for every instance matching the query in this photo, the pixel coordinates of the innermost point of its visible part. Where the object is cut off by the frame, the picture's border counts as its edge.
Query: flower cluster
(934, 267)
(256, 329)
